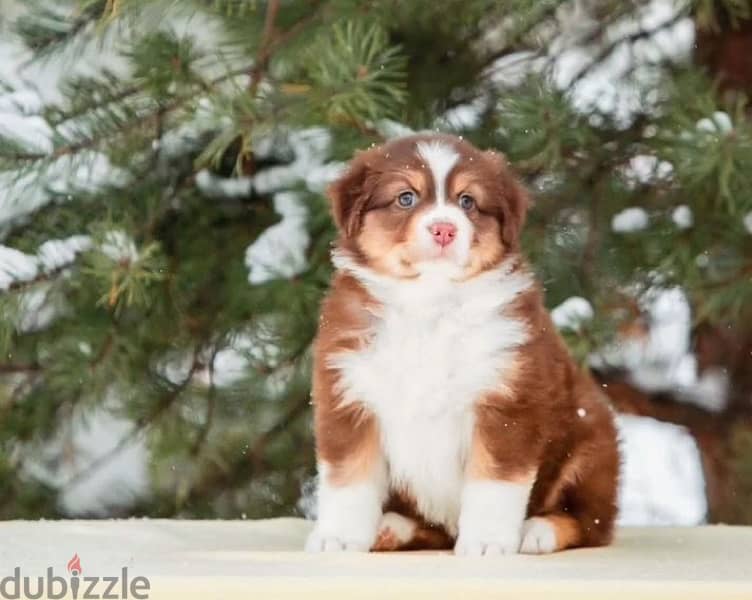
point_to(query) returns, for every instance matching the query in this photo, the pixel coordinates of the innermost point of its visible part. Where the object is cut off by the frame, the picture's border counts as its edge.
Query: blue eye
(407, 199)
(466, 202)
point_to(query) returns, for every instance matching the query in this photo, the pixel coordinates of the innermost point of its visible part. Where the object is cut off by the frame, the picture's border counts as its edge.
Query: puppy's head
(429, 202)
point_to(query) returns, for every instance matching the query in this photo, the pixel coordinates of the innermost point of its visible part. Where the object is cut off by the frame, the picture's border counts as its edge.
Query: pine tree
(140, 207)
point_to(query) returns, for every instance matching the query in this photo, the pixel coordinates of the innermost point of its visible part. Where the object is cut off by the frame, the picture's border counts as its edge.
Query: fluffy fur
(448, 412)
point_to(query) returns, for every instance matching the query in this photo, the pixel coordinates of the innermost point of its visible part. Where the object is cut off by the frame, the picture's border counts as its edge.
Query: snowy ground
(189, 560)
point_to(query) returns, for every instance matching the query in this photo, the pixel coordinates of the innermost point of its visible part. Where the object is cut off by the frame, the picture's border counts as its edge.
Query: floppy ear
(348, 196)
(515, 200)
(518, 201)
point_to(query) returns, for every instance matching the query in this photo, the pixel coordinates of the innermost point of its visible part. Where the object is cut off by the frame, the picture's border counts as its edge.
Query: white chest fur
(436, 347)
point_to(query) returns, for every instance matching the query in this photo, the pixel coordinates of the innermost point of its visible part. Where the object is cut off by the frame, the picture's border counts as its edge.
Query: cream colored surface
(262, 559)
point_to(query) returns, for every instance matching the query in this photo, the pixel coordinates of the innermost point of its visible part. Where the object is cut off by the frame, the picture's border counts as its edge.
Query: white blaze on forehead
(440, 158)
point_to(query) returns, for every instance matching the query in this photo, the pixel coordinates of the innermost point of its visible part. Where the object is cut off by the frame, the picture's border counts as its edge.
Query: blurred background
(164, 236)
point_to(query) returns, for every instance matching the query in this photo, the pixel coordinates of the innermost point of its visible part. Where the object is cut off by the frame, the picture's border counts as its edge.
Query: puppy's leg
(499, 476)
(550, 533)
(581, 506)
(352, 482)
(585, 519)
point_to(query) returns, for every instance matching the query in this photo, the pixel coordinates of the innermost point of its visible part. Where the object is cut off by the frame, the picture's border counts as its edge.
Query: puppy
(448, 412)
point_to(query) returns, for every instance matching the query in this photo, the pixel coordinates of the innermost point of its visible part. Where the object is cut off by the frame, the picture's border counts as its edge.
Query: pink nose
(443, 233)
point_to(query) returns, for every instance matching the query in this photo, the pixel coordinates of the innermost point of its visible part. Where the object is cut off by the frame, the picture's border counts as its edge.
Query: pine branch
(262, 57)
(283, 38)
(246, 467)
(46, 276)
(124, 94)
(10, 368)
(271, 40)
(104, 351)
(608, 50)
(211, 401)
(44, 32)
(731, 283)
(547, 12)
(126, 127)
(141, 424)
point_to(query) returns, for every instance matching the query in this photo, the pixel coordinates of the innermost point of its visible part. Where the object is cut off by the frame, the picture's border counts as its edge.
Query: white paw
(398, 526)
(491, 517)
(319, 542)
(486, 545)
(538, 536)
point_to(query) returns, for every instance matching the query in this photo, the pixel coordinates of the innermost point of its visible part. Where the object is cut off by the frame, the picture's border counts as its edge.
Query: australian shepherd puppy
(448, 412)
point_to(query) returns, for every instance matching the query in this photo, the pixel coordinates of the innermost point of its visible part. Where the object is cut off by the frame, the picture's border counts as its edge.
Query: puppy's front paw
(487, 545)
(538, 536)
(491, 518)
(325, 542)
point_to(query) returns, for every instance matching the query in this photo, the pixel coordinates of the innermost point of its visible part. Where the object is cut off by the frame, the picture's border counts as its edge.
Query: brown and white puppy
(448, 411)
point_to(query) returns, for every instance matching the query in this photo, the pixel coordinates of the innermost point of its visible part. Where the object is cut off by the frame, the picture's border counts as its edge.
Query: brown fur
(548, 422)
(347, 437)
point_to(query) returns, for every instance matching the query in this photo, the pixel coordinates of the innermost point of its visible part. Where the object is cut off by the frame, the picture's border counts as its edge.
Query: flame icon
(74, 566)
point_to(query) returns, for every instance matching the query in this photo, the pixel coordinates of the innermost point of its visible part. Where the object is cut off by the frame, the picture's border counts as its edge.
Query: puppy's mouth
(418, 261)
(436, 254)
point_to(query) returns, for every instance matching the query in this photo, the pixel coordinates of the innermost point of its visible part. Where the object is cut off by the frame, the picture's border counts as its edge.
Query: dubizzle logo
(55, 587)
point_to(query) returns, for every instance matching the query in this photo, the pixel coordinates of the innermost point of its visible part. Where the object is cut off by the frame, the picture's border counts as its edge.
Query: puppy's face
(429, 203)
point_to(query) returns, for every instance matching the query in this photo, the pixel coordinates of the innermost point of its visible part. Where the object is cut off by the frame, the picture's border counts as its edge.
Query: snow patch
(21, 123)
(116, 483)
(747, 221)
(320, 177)
(255, 346)
(390, 129)
(54, 254)
(662, 481)
(245, 349)
(719, 123)
(36, 312)
(16, 266)
(662, 359)
(214, 186)
(175, 366)
(630, 220)
(118, 246)
(35, 309)
(32, 133)
(682, 217)
(645, 169)
(511, 70)
(231, 364)
(280, 251)
(310, 148)
(206, 119)
(22, 194)
(572, 313)
(464, 116)
(623, 82)
(24, 102)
